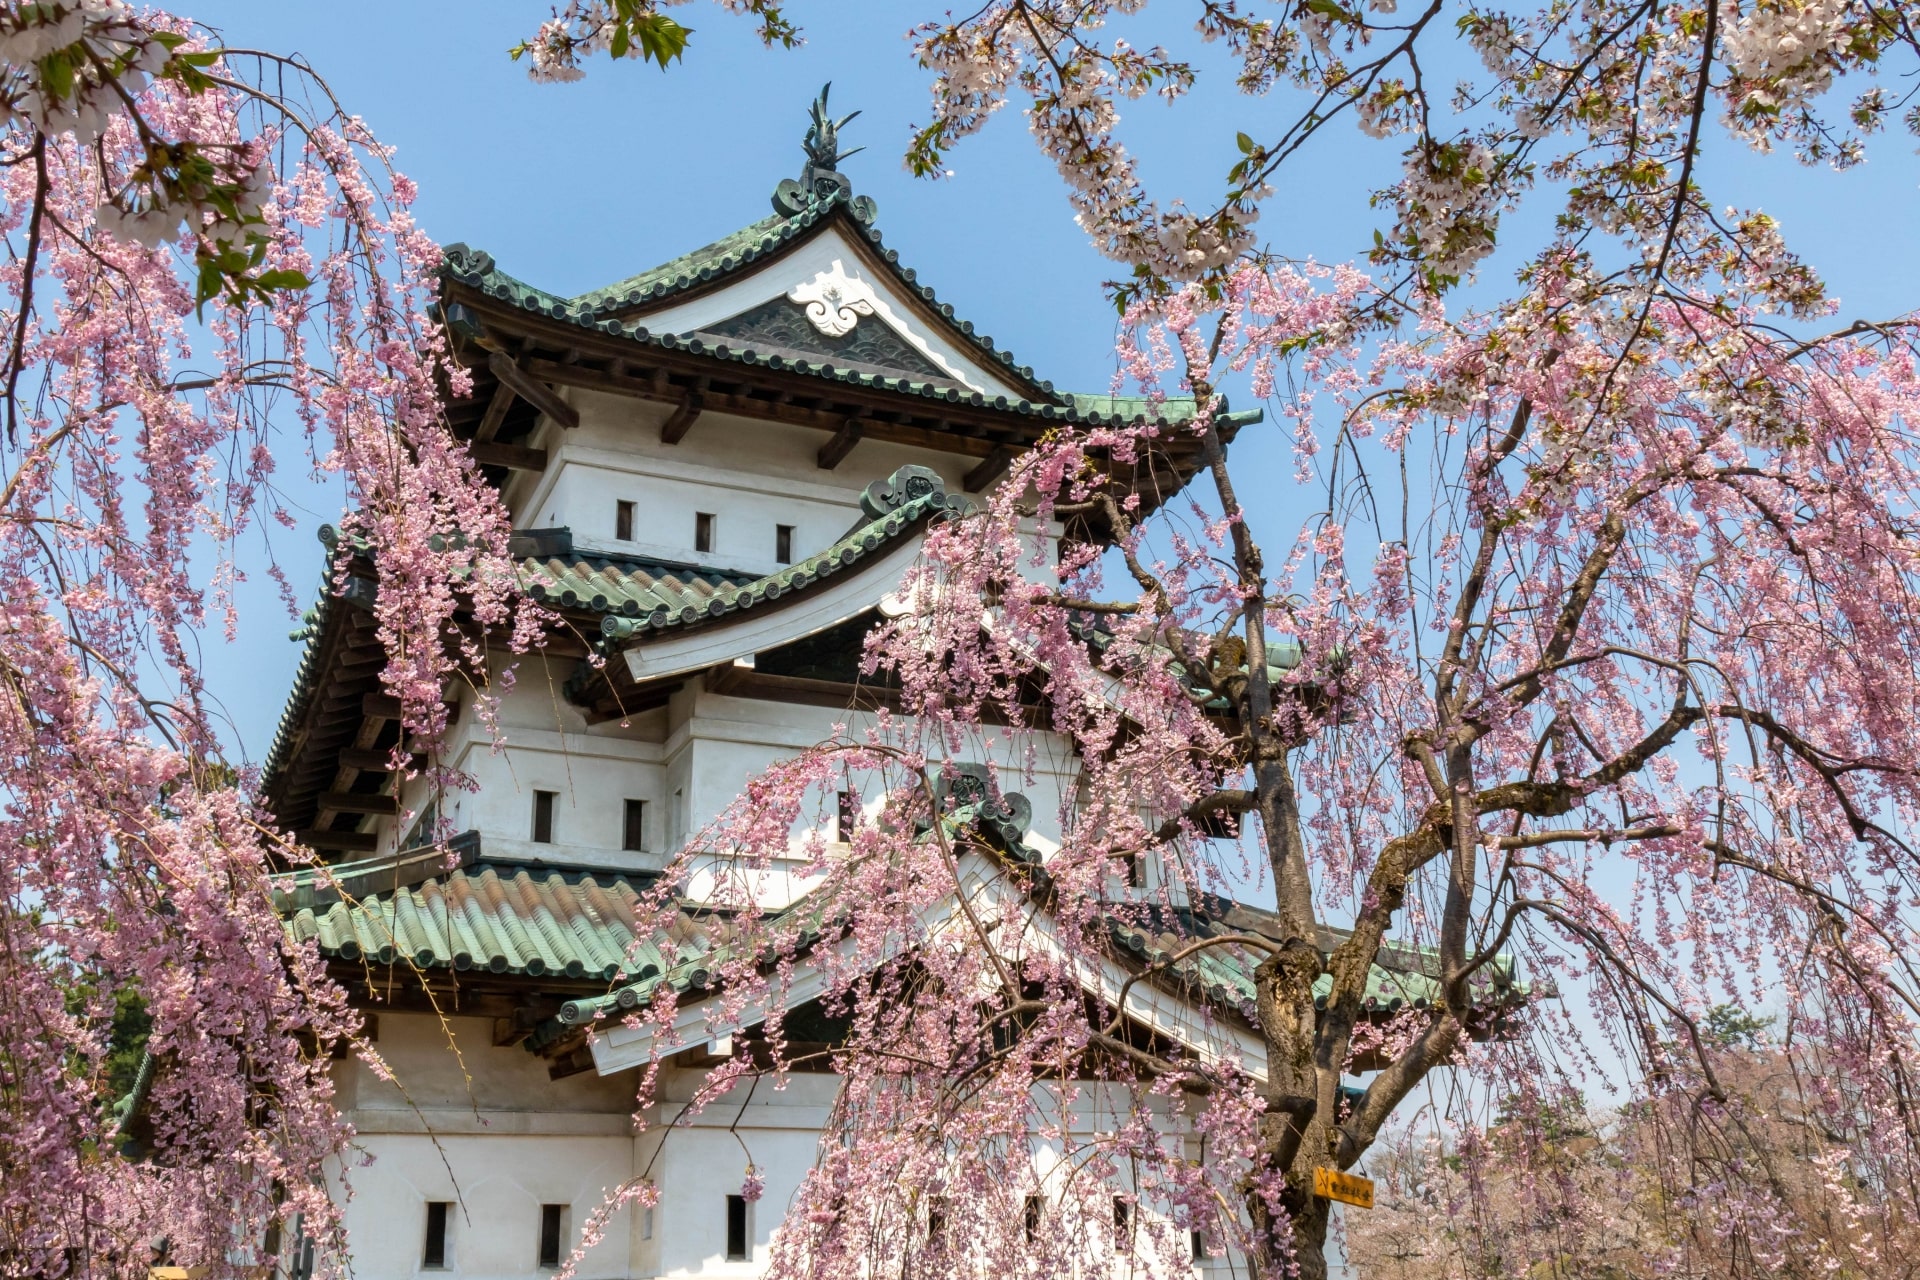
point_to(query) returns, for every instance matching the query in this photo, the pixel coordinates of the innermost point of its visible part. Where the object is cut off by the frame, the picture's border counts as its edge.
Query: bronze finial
(823, 139)
(821, 180)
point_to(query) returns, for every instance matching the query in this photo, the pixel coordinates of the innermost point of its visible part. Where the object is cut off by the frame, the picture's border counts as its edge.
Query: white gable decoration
(834, 300)
(830, 261)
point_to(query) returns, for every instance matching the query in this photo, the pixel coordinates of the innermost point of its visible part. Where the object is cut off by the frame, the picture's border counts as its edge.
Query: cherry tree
(210, 276)
(1583, 630)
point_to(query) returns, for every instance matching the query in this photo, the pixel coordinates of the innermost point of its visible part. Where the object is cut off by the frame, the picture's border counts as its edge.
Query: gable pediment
(842, 337)
(824, 299)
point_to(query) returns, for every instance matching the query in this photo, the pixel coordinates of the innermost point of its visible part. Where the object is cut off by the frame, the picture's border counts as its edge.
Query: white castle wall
(749, 475)
(505, 1140)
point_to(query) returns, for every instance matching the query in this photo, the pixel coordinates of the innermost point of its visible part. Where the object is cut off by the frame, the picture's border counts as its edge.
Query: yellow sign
(1349, 1188)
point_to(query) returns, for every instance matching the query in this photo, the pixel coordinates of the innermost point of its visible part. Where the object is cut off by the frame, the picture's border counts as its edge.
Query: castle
(720, 469)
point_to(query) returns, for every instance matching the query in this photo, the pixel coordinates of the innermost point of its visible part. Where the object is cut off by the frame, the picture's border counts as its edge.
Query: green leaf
(56, 73)
(661, 38)
(1246, 144)
(281, 278)
(621, 42)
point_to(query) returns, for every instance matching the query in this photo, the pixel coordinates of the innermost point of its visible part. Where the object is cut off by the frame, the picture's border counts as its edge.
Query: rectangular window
(623, 521)
(552, 1216)
(1135, 868)
(1122, 1218)
(846, 819)
(783, 543)
(646, 1223)
(633, 828)
(936, 1217)
(1199, 1246)
(702, 531)
(422, 831)
(435, 1254)
(736, 1228)
(1036, 1214)
(543, 802)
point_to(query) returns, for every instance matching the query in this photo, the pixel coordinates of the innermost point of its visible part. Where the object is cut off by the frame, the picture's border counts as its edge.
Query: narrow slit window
(623, 521)
(435, 1253)
(1036, 1213)
(936, 1217)
(1199, 1245)
(633, 826)
(783, 543)
(1122, 1217)
(552, 1218)
(703, 531)
(846, 819)
(1135, 870)
(736, 1228)
(543, 803)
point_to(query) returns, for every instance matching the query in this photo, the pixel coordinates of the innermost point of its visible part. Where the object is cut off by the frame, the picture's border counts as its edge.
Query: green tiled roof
(665, 590)
(584, 926)
(501, 920)
(1225, 973)
(636, 600)
(597, 310)
(727, 254)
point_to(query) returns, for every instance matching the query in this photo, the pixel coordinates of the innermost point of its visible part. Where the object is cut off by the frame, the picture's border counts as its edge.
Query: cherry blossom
(1617, 680)
(206, 282)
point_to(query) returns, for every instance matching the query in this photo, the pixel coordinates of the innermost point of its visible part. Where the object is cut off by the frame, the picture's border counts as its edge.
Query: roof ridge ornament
(821, 181)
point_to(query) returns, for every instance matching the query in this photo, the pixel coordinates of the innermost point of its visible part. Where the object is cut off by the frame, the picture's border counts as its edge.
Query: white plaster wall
(704, 747)
(487, 1130)
(751, 475)
(492, 1134)
(700, 1165)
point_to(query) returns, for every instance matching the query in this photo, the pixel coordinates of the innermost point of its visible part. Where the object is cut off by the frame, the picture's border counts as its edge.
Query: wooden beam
(532, 390)
(572, 1063)
(347, 841)
(617, 708)
(511, 456)
(373, 761)
(384, 706)
(681, 420)
(496, 413)
(991, 468)
(348, 802)
(840, 444)
(801, 409)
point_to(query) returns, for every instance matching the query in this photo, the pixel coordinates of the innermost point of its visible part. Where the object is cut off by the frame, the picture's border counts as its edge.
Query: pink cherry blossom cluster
(1596, 664)
(205, 283)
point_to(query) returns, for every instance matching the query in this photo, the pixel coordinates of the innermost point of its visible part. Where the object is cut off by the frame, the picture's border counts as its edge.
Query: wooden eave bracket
(681, 420)
(490, 453)
(496, 414)
(991, 468)
(840, 443)
(531, 389)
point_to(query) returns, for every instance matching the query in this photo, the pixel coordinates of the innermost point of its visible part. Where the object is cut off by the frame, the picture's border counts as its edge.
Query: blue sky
(573, 186)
